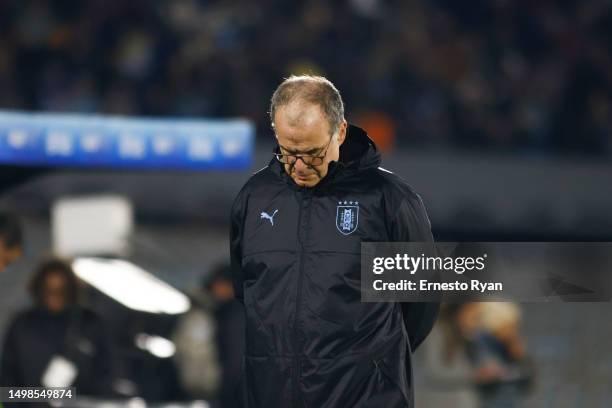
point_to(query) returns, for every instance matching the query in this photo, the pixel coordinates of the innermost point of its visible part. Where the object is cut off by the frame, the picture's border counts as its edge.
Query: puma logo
(268, 216)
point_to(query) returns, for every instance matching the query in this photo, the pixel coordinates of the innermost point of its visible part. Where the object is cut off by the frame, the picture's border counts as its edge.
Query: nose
(300, 166)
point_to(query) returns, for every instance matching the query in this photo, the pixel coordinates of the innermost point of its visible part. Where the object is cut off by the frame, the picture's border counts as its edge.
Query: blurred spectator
(196, 355)
(500, 351)
(512, 75)
(57, 338)
(11, 240)
(475, 357)
(210, 341)
(449, 376)
(229, 316)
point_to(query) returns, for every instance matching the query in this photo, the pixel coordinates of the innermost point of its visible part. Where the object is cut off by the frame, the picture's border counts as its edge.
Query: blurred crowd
(529, 76)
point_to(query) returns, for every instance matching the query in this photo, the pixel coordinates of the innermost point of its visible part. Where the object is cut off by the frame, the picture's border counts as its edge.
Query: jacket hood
(358, 153)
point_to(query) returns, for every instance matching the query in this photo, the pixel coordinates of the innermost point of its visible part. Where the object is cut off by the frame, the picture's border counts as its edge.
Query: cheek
(324, 167)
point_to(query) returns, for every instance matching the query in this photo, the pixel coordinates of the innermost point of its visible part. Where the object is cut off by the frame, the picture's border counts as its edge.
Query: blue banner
(76, 140)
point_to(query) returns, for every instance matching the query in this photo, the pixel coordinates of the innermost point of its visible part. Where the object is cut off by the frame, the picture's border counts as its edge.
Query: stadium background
(498, 112)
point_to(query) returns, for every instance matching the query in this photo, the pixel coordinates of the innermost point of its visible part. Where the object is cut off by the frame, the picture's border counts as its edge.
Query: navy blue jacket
(310, 341)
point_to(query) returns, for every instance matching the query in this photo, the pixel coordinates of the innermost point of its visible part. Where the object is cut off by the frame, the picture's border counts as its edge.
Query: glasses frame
(301, 157)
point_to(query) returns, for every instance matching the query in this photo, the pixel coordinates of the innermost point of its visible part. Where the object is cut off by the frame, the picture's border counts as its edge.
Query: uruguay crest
(347, 216)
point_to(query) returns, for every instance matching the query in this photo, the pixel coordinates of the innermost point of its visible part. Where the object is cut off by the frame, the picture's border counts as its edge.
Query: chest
(303, 221)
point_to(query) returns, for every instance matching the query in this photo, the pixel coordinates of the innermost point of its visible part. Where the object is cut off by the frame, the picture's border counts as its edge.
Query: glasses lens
(315, 161)
(285, 158)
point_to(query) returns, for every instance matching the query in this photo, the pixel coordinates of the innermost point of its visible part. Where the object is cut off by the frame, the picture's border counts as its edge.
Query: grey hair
(312, 89)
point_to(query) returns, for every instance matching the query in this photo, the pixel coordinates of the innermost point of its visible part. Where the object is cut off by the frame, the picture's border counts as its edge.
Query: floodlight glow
(131, 285)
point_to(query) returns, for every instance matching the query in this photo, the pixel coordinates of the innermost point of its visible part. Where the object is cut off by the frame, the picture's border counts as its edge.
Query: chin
(305, 183)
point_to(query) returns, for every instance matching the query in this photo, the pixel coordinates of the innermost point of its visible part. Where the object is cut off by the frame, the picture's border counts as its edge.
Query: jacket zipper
(296, 343)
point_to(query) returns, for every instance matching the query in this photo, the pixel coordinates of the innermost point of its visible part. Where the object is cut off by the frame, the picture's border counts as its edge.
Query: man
(10, 240)
(57, 337)
(296, 231)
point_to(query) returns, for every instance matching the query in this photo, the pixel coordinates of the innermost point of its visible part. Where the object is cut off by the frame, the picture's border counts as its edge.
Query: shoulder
(261, 177)
(89, 314)
(29, 317)
(261, 180)
(26, 315)
(394, 188)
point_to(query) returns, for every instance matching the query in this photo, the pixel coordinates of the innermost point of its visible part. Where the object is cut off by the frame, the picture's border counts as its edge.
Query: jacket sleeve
(409, 223)
(236, 230)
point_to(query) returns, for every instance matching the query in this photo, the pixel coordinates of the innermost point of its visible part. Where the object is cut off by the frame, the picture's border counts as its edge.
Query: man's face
(303, 129)
(55, 291)
(8, 255)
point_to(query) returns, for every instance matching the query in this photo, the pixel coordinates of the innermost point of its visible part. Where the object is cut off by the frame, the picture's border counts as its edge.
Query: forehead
(301, 126)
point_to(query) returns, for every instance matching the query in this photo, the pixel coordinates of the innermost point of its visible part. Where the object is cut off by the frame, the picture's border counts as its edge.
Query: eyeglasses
(307, 159)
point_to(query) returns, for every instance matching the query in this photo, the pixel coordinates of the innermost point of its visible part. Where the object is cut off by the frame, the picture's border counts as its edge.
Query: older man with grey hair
(296, 232)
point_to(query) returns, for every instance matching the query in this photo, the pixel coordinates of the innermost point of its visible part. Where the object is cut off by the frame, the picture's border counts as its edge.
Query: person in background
(210, 341)
(500, 349)
(11, 240)
(229, 318)
(197, 357)
(448, 375)
(57, 340)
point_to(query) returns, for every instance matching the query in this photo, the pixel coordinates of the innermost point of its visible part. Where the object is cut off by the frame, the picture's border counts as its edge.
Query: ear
(342, 132)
